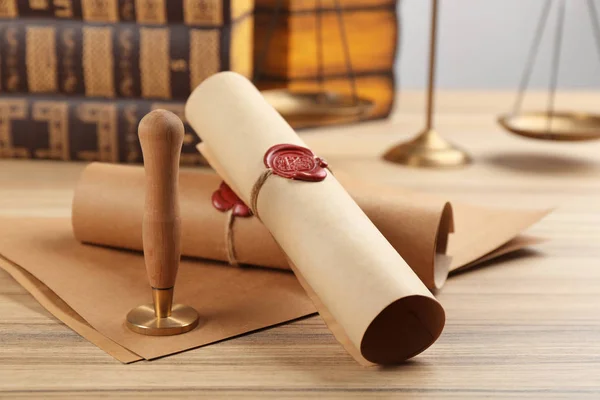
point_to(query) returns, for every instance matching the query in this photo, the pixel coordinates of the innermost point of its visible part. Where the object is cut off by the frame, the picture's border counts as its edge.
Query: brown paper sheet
(92, 288)
(512, 246)
(480, 232)
(488, 229)
(50, 292)
(57, 307)
(109, 200)
(383, 308)
(108, 207)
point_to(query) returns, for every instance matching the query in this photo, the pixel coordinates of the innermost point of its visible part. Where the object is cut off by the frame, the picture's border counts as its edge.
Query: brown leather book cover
(78, 128)
(118, 60)
(188, 12)
(76, 76)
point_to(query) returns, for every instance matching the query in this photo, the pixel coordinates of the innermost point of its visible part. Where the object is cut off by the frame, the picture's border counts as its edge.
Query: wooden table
(526, 327)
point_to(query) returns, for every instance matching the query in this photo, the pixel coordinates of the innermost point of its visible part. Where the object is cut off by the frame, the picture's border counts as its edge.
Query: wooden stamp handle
(161, 137)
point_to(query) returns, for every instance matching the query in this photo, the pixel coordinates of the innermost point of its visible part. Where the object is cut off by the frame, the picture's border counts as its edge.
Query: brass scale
(317, 106)
(552, 124)
(429, 149)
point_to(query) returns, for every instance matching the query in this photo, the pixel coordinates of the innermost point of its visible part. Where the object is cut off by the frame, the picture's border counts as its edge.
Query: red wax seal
(225, 199)
(295, 162)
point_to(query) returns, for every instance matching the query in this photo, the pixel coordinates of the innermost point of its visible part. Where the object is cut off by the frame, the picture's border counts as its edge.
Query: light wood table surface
(525, 327)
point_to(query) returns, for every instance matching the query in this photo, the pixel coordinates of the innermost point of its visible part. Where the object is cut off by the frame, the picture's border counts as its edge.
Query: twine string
(256, 190)
(231, 256)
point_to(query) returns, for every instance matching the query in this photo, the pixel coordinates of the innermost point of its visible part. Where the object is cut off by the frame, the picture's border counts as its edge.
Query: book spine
(82, 129)
(161, 12)
(108, 61)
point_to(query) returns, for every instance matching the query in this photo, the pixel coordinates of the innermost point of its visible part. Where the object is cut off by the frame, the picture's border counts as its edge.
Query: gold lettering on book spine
(100, 10)
(11, 110)
(69, 62)
(126, 62)
(203, 12)
(179, 65)
(151, 11)
(8, 9)
(127, 10)
(13, 78)
(63, 8)
(98, 61)
(204, 55)
(131, 135)
(41, 59)
(155, 63)
(38, 4)
(105, 117)
(56, 115)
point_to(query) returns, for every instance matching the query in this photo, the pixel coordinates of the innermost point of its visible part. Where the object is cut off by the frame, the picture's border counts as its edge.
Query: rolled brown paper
(378, 305)
(108, 209)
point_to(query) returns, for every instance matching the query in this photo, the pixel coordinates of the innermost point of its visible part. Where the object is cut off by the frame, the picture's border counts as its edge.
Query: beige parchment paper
(371, 293)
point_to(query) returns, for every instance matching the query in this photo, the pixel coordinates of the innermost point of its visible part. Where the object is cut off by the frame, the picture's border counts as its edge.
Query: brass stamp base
(143, 320)
(428, 149)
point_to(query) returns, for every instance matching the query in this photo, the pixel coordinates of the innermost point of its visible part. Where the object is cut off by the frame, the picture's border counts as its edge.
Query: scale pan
(564, 126)
(315, 108)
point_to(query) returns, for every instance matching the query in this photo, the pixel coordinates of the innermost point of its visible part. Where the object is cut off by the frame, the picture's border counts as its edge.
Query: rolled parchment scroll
(376, 305)
(108, 209)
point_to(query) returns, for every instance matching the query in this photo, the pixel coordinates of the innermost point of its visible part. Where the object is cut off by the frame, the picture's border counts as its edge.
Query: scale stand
(429, 149)
(302, 108)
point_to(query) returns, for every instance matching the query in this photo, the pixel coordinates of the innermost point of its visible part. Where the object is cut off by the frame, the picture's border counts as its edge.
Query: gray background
(483, 44)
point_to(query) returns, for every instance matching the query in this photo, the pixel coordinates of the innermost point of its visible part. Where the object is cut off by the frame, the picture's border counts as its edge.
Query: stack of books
(76, 76)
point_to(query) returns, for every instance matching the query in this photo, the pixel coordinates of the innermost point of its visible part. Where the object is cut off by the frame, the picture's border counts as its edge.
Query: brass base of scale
(428, 149)
(316, 107)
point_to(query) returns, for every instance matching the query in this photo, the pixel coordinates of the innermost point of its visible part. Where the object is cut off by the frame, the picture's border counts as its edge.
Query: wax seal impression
(225, 199)
(295, 162)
